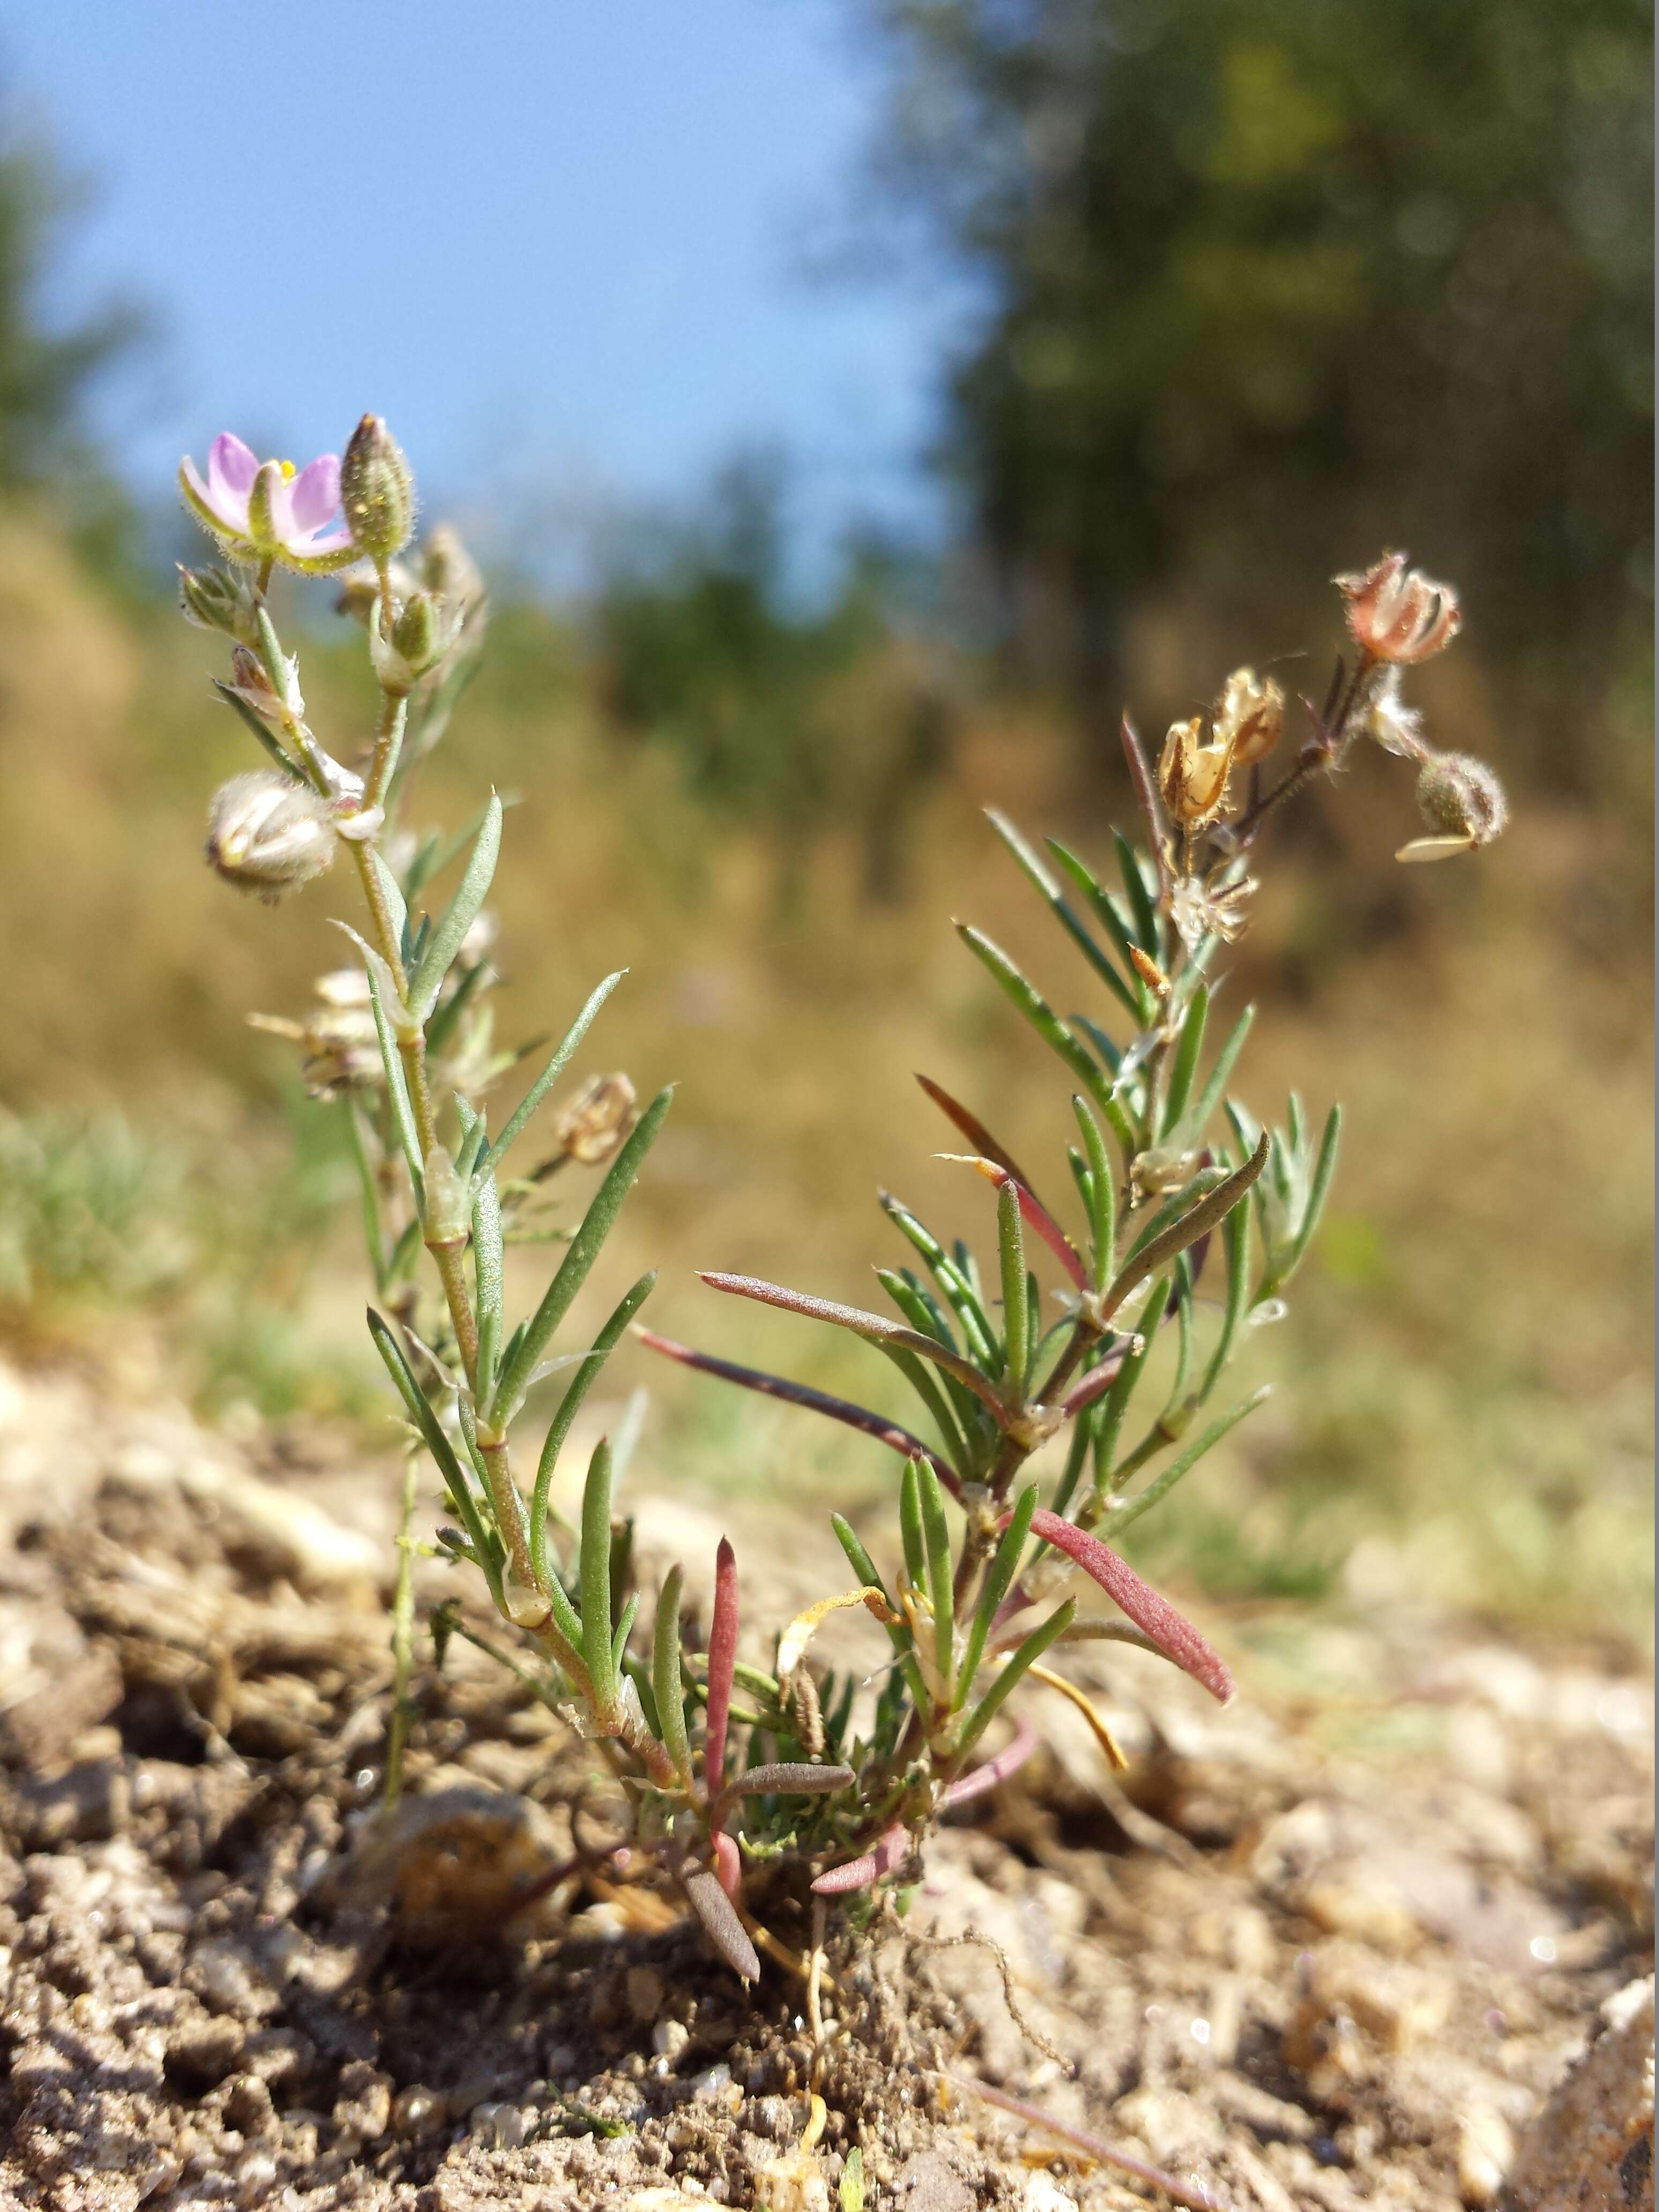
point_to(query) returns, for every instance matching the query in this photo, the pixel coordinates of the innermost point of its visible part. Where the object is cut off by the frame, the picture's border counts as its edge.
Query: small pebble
(503, 2127)
(1484, 2151)
(418, 2111)
(645, 1991)
(669, 2038)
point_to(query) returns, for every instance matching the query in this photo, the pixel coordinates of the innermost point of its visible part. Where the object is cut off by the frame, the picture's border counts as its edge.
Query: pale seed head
(268, 833)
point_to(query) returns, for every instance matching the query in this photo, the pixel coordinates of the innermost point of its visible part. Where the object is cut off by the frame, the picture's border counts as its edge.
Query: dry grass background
(1463, 1409)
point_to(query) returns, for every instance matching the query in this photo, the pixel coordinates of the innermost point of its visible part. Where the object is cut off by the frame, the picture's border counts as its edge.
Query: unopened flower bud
(1462, 801)
(268, 833)
(449, 570)
(423, 633)
(1192, 773)
(1249, 715)
(592, 1126)
(1399, 614)
(377, 491)
(211, 599)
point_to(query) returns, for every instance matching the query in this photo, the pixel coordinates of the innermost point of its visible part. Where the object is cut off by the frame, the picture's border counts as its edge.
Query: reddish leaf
(817, 1401)
(1037, 1216)
(987, 1776)
(719, 1919)
(1174, 1636)
(728, 1865)
(891, 1851)
(722, 1656)
(975, 1130)
(1098, 1381)
(874, 1329)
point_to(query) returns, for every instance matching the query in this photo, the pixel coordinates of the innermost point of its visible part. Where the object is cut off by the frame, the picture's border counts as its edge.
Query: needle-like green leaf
(999, 1581)
(458, 916)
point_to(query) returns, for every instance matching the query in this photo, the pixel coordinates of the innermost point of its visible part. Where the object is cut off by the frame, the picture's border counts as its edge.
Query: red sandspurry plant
(1185, 1220)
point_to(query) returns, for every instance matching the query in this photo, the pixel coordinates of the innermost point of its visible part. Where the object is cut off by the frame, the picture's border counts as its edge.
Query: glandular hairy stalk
(728, 1765)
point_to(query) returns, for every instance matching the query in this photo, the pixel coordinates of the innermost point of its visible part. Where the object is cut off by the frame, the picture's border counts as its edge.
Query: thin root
(1032, 2035)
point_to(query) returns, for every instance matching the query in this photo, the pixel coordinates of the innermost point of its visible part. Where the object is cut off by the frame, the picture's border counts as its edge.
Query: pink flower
(1399, 614)
(261, 510)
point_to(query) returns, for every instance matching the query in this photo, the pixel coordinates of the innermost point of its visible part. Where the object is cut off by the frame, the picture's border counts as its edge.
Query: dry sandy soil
(1336, 1947)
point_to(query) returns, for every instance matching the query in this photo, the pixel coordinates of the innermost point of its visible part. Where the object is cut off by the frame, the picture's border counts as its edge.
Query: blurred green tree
(792, 714)
(46, 372)
(1270, 282)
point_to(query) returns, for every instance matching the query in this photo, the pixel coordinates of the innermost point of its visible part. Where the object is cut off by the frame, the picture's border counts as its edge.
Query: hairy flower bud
(449, 570)
(211, 599)
(268, 833)
(423, 631)
(1399, 614)
(377, 491)
(1192, 773)
(592, 1126)
(1249, 715)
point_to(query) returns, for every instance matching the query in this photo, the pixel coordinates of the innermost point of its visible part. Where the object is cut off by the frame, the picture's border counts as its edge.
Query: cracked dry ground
(1335, 1947)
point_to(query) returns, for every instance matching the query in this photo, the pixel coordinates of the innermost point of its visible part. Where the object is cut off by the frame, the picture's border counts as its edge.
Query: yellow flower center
(289, 471)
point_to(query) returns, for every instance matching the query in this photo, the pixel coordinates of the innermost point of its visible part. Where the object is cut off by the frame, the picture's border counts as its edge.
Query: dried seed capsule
(268, 833)
(592, 1126)
(377, 491)
(1398, 614)
(1249, 715)
(1192, 773)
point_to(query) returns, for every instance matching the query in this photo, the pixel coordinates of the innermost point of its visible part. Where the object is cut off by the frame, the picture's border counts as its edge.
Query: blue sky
(561, 245)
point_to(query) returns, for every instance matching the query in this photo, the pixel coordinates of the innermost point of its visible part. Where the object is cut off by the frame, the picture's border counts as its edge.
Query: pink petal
(316, 492)
(233, 519)
(281, 510)
(232, 467)
(307, 543)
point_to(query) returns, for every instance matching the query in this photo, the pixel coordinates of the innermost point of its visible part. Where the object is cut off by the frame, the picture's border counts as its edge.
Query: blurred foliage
(777, 712)
(47, 373)
(99, 1217)
(1271, 282)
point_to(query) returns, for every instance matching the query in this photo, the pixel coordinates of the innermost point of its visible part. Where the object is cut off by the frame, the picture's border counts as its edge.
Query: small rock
(418, 2111)
(669, 2038)
(1370, 1913)
(1044, 2194)
(363, 2106)
(502, 2127)
(645, 1991)
(793, 2182)
(1591, 2146)
(1485, 2148)
(455, 1866)
(1394, 2006)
